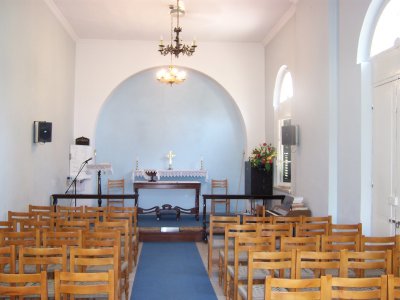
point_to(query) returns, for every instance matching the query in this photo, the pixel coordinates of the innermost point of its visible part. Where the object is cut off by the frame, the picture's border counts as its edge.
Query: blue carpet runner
(171, 271)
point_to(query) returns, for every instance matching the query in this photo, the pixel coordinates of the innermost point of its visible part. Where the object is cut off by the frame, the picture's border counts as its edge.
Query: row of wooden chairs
(102, 253)
(328, 287)
(300, 264)
(60, 221)
(65, 283)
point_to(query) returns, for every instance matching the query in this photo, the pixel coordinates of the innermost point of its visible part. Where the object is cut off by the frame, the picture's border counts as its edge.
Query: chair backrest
(315, 264)
(32, 225)
(69, 209)
(97, 284)
(284, 262)
(44, 259)
(41, 208)
(309, 243)
(16, 217)
(217, 226)
(107, 258)
(25, 238)
(115, 186)
(377, 243)
(60, 238)
(219, 184)
(101, 239)
(91, 217)
(345, 229)
(360, 264)
(340, 242)
(326, 219)
(247, 219)
(282, 288)
(74, 225)
(24, 285)
(357, 288)
(7, 259)
(281, 229)
(8, 226)
(287, 219)
(311, 229)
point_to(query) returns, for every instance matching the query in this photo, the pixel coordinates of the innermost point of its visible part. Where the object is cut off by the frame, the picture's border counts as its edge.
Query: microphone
(89, 159)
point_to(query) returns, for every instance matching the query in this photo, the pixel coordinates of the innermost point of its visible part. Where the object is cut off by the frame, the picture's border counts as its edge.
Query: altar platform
(186, 229)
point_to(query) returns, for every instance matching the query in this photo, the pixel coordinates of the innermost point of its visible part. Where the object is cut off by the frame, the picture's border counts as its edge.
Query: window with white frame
(387, 30)
(282, 95)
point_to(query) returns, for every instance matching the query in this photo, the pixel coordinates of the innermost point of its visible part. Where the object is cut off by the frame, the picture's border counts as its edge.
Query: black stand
(99, 187)
(76, 177)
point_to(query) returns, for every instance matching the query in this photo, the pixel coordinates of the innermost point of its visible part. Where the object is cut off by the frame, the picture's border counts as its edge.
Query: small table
(177, 185)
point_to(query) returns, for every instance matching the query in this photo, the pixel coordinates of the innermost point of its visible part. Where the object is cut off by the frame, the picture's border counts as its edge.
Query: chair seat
(258, 274)
(231, 255)
(258, 291)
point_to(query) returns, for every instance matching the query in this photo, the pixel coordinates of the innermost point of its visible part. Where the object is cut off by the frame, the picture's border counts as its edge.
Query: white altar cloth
(171, 173)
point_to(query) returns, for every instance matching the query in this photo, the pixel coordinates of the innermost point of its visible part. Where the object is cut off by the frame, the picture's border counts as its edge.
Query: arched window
(387, 30)
(283, 93)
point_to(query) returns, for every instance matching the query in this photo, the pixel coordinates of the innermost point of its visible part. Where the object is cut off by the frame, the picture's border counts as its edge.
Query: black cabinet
(258, 181)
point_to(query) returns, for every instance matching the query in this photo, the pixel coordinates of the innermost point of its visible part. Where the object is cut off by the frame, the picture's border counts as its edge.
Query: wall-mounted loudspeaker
(42, 132)
(289, 135)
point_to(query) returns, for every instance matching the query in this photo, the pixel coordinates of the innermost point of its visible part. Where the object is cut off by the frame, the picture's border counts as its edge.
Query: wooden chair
(311, 229)
(133, 232)
(91, 217)
(35, 260)
(28, 285)
(247, 219)
(309, 243)
(16, 217)
(220, 187)
(94, 286)
(26, 238)
(96, 260)
(281, 288)
(116, 187)
(7, 259)
(339, 242)
(277, 230)
(122, 228)
(393, 287)
(217, 226)
(238, 271)
(273, 262)
(365, 264)
(226, 255)
(312, 264)
(357, 288)
(345, 229)
(287, 219)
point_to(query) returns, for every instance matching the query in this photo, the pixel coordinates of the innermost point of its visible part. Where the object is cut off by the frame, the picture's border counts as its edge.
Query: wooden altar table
(177, 185)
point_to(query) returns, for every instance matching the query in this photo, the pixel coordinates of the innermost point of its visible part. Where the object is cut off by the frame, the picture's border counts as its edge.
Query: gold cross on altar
(170, 155)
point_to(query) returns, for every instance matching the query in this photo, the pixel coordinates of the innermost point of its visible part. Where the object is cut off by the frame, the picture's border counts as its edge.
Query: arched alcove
(198, 120)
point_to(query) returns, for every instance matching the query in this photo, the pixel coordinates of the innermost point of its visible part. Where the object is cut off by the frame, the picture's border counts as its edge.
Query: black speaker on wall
(289, 135)
(42, 132)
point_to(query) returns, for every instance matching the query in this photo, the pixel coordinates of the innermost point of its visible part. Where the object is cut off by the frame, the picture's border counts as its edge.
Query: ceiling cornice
(67, 26)
(279, 25)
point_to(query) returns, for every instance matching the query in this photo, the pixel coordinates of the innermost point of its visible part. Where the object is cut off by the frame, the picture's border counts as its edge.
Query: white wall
(102, 65)
(304, 42)
(36, 83)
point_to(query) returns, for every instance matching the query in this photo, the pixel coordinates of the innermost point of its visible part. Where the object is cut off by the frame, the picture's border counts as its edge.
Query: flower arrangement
(262, 156)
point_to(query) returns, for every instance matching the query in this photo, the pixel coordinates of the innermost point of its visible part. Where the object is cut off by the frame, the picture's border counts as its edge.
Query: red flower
(265, 144)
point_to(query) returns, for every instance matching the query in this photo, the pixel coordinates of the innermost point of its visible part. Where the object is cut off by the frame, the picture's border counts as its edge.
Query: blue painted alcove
(144, 119)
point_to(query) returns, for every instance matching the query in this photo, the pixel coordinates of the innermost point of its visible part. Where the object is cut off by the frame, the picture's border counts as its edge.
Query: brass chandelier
(176, 46)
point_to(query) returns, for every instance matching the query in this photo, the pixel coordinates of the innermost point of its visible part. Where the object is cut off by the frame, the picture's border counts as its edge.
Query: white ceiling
(205, 20)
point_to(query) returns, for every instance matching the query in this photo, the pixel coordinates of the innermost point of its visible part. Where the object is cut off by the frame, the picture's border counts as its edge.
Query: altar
(168, 174)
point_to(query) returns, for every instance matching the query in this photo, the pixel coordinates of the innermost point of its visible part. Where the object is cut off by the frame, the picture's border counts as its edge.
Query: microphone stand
(76, 177)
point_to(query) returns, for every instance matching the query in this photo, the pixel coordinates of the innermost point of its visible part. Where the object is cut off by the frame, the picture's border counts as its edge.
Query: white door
(385, 159)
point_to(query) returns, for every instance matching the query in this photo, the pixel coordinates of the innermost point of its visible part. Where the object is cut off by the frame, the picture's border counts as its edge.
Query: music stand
(102, 167)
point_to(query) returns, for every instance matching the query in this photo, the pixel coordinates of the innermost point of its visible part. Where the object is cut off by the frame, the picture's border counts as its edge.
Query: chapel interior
(89, 108)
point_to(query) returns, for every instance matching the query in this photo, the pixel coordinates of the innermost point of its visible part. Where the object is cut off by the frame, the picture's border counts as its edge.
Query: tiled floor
(203, 250)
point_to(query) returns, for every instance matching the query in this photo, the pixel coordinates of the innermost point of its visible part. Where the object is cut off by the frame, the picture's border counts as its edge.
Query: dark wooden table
(176, 185)
(92, 196)
(264, 198)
